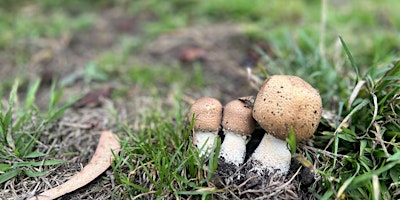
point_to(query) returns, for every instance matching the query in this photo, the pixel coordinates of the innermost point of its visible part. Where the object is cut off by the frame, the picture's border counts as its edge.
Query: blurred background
(203, 46)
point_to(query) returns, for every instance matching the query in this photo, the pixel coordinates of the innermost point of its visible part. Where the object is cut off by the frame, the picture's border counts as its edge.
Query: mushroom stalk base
(271, 155)
(204, 141)
(233, 148)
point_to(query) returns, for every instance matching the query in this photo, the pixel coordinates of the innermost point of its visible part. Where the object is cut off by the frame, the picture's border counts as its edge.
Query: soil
(221, 48)
(249, 184)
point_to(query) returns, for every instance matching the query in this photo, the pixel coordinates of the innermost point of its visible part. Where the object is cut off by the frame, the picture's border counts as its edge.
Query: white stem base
(233, 148)
(204, 141)
(272, 155)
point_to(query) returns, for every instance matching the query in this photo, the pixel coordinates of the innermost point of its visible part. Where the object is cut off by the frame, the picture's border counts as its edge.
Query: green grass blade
(393, 73)
(346, 119)
(30, 97)
(327, 195)
(351, 58)
(57, 113)
(35, 155)
(28, 146)
(344, 186)
(34, 174)
(55, 96)
(365, 177)
(38, 163)
(9, 175)
(7, 119)
(13, 94)
(4, 167)
(291, 140)
(394, 157)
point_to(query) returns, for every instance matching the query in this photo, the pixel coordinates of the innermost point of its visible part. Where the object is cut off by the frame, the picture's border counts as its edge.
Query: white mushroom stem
(233, 149)
(272, 155)
(204, 141)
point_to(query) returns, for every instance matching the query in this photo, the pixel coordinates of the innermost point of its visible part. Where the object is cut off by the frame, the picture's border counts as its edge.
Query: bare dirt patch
(224, 46)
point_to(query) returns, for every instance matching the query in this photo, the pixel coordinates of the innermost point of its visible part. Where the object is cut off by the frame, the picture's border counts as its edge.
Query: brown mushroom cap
(207, 114)
(237, 117)
(288, 101)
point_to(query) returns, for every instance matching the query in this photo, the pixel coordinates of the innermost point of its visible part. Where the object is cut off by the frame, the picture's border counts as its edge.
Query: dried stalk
(100, 162)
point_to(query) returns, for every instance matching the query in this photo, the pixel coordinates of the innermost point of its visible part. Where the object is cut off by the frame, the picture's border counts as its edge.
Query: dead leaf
(191, 54)
(42, 56)
(94, 98)
(100, 162)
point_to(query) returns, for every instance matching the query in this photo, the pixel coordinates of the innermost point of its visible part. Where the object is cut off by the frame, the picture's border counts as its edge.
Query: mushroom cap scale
(237, 117)
(207, 114)
(288, 101)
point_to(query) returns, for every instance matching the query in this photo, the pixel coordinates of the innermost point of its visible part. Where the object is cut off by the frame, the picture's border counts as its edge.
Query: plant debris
(100, 162)
(93, 99)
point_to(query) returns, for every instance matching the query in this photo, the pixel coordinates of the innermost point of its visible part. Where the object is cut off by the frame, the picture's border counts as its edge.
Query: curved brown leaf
(100, 162)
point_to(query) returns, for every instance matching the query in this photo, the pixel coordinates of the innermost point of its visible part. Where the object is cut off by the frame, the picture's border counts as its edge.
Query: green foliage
(291, 140)
(159, 75)
(20, 27)
(20, 129)
(160, 159)
(367, 138)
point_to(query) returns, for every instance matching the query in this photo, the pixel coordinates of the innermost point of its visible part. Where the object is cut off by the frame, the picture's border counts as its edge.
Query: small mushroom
(207, 114)
(284, 103)
(237, 124)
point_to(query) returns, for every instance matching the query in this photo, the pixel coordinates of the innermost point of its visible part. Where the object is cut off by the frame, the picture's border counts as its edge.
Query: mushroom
(237, 124)
(207, 115)
(284, 103)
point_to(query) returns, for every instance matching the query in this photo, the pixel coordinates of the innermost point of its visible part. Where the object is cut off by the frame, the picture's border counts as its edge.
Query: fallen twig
(100, 162)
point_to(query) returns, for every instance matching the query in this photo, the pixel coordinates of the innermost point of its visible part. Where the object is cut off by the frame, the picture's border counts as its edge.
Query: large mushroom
(284, 103)
(207, 115)
(237, 124)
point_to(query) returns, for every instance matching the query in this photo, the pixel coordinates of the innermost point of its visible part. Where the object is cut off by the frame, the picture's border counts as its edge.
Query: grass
(354, 64)
(160, 159)
(367, 138)
(30, 25)
(20, 130)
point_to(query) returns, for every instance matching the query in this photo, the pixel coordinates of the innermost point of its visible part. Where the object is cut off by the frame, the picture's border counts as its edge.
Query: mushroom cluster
(283, 104)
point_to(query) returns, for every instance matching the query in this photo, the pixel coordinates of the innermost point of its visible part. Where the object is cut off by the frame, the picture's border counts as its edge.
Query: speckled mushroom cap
(207, 114)
(288, 101)
(237, 117)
